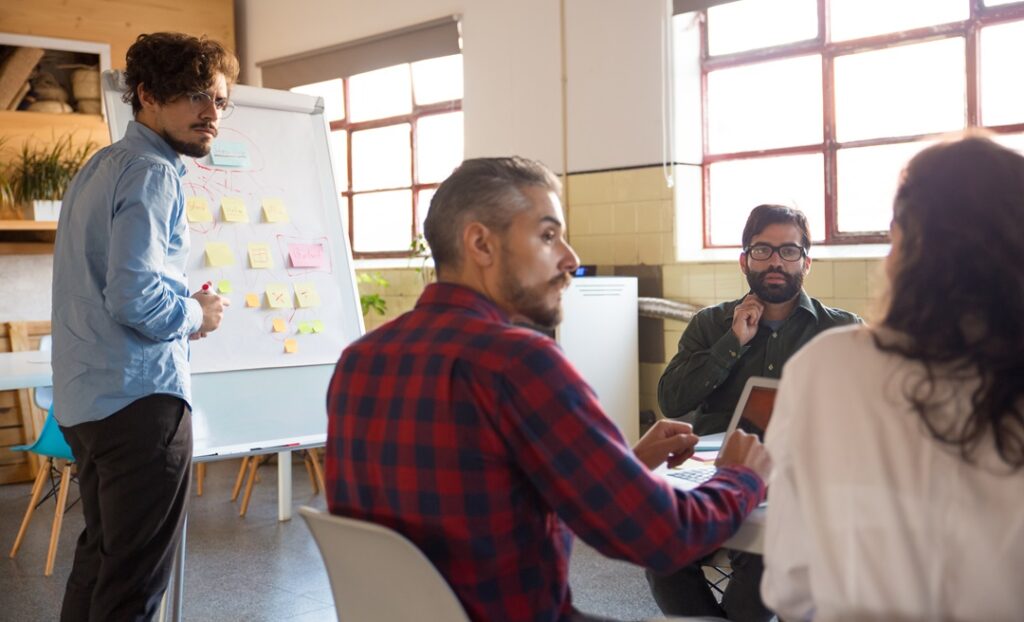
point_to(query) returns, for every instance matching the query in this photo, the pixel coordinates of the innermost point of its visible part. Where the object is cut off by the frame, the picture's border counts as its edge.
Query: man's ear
(807, 265)
(145, 97)
(743, 263)
(480, 244)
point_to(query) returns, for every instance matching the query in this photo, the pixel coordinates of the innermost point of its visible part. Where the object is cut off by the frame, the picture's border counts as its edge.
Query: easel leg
(284, 485)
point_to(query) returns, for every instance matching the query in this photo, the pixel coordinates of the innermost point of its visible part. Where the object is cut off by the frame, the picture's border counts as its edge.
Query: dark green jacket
(707, 375)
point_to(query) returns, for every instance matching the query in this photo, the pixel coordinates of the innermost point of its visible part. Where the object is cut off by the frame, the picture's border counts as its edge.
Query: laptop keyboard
(697, 475)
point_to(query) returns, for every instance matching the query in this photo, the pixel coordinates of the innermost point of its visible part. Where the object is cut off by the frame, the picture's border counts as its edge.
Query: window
(396, 134)
(819, 103)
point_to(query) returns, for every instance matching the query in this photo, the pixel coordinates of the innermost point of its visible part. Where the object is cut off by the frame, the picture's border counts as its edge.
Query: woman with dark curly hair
(898, 450)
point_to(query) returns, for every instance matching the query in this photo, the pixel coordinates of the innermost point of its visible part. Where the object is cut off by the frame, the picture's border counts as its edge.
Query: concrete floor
(254, 568)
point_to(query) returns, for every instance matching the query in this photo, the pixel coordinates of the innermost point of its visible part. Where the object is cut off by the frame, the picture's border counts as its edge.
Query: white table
(25, 370)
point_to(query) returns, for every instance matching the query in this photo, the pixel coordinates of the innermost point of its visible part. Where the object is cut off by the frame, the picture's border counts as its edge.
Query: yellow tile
(730, 283)
(878, 282)
(668, 216)
(702, 281)
(578, 220)
(625, 250)
(851, 279)
(602, 250)
(641, 184)
(648, 217)
(820, 283)
(601, 219)
(649, 248)
(855, 305)
(590, 188)
(581, 244)
(675, 279)
(671, 343)
(668, 248)
(650, 373)
(625, 218)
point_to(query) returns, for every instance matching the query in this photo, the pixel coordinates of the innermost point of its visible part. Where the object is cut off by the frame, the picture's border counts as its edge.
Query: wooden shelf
(21, 126)
(28, 225)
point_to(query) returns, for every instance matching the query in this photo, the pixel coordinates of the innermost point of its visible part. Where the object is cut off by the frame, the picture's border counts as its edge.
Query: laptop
(752, 413)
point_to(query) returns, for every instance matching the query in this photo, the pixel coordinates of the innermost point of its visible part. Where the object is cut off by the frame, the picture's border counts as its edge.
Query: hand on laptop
(744, 449)
(667, 440)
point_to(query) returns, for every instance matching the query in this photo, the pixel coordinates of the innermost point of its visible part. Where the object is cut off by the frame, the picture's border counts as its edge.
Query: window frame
(979, 16)
(418, 112)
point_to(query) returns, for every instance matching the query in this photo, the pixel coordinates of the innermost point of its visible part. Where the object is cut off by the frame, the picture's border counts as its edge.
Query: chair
(52, 446)
(378, 575)
(250, 464)
(43, 396)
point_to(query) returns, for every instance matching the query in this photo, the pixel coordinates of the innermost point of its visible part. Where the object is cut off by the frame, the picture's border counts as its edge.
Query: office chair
(58, 458)
(377, 575)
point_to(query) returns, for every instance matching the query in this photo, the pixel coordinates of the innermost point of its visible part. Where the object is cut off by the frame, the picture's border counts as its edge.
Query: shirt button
(771, 367)
(774, 335)
(732, 354)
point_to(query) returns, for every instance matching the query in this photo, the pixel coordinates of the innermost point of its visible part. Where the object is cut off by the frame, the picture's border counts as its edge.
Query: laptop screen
(757, 410)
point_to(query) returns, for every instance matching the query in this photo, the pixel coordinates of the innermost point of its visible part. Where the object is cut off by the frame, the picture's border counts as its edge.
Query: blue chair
(58, 458)
(43, 396)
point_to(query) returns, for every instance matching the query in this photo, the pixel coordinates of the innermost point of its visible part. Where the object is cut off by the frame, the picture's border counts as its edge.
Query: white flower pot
(44, 210)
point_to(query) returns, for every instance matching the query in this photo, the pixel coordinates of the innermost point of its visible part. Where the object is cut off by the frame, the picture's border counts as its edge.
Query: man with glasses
(720, 349)
(122, 317)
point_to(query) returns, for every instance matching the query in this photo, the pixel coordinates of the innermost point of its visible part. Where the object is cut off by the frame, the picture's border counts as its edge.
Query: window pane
(1011, 141)
(747, 110)
(867, 180)
(382, 221)
(339, 158)
(852, 19)
(901, 91)
(381, 158)
(438, 146)
(381, 93)
(437, 79)
(738, 186)
(1002, 91)
(999, 2)
(334, 97)
(752, 24)
(423, 206)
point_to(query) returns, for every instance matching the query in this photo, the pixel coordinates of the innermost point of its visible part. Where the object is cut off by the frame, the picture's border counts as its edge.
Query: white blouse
(869, 517)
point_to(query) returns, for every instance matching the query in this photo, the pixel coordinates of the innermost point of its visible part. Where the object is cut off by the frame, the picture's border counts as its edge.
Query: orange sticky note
(291, 346)
(280, 325)
(252, 300)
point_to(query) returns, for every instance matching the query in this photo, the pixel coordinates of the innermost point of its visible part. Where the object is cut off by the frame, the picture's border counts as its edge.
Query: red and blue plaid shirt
(479, 442)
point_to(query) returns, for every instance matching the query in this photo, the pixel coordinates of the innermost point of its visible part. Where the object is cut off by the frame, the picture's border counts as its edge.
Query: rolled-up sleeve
(138, 293)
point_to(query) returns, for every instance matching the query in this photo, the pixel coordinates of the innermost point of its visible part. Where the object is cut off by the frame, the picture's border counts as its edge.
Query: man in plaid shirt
(478, 441)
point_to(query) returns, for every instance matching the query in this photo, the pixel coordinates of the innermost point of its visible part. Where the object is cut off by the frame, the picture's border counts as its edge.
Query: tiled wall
(403, 289)
(627, 217)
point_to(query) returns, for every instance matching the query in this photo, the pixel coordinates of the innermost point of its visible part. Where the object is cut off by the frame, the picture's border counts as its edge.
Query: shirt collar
(146, 138)
(453, 295)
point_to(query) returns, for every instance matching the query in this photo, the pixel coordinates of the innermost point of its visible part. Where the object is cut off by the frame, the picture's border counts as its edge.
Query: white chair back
(376, 574)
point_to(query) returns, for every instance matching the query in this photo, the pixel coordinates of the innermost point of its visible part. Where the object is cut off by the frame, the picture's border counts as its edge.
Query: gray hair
(484, 190)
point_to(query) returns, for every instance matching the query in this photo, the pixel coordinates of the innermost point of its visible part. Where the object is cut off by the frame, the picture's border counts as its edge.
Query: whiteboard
(283, 156)
(248, 393)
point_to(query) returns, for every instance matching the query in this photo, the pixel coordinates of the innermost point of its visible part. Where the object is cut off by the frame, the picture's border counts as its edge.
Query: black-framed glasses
(200, 101)
(764, 252)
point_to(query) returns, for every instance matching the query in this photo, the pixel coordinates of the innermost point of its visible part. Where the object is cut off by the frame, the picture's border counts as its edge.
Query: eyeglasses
(764, 252)
(200, 101)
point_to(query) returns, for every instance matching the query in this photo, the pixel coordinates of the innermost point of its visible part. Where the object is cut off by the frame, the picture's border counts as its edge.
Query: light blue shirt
(121, 307)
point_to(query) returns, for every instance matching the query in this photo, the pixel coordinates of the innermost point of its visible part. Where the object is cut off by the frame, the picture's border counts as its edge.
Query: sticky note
(307, 295)
(305, 328)
(252, 300)
(318, 326)
(280, 325)
(219, 254)
(274, 210)
(278, 296)
(291, 346)
(259, 256)
(197, 210)
(234, 209)
(224, 287)
(229, 153)
(306, 255)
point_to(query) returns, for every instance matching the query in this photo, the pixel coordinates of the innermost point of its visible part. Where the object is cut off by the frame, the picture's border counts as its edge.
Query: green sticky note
(318, 326)
(305, 328)
(224, 287)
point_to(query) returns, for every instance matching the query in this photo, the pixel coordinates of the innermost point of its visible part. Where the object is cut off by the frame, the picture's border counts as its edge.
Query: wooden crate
(20, 420)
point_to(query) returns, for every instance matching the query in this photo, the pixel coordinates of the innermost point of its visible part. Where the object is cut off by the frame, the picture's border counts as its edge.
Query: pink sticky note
(306, 255)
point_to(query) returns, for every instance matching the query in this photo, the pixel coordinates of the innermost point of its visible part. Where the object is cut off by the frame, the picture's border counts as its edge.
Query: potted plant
(39, 177)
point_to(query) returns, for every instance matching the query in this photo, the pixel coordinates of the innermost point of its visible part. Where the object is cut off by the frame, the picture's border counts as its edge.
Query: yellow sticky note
(274, 210)
(259, 256)
(318, 326)
(278, 296)
(280, 325)
(305, 328)
(307, 295)
(224, 287)
(234, 209)
(219, 254)
(197, 210)
(252, 300)
(291, 346)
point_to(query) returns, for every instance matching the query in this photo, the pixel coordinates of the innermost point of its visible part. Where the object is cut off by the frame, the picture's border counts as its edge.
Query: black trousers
(134, 475)
(686, 593)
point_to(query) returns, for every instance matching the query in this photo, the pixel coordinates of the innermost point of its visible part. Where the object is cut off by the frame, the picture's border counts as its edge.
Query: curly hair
(957, 289)
(171, 64)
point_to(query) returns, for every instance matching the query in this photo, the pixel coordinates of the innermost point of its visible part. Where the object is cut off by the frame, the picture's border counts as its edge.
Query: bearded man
(720, 349)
